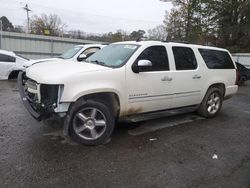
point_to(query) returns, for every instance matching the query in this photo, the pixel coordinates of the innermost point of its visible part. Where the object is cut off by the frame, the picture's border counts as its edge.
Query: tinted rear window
(184, 58)
(216, 59)
(6, 58)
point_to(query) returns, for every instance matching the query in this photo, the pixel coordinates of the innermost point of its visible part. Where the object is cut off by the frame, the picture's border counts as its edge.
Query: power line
(84, 12)
(93, 18)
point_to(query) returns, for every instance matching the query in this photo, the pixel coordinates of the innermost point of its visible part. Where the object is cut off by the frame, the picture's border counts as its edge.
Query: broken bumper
(26, 101)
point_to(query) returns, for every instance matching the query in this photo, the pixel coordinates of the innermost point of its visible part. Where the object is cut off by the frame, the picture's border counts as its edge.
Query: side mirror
(140, 65)
(81, 57)
(144, 63)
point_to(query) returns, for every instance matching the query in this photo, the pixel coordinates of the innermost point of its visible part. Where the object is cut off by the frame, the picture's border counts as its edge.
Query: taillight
(237, 77)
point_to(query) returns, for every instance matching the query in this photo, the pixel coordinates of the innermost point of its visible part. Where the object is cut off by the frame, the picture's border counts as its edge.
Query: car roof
(5, 52)
(90, 45)
(148, 43)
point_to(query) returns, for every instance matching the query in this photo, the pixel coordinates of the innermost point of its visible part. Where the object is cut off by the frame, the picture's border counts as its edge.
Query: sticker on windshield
(130, 47)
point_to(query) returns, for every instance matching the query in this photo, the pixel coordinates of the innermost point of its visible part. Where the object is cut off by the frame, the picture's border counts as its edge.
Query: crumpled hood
(35, 61)
(56, 72)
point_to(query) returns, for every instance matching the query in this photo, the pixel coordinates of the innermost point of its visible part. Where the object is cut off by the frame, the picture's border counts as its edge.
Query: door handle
(166, 78)
(196, 77)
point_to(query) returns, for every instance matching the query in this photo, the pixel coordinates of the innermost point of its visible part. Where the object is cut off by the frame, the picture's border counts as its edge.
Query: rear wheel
(211, 104)
(91, 123)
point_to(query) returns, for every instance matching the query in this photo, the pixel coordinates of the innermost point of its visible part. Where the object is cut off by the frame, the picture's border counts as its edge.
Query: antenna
(26, 8)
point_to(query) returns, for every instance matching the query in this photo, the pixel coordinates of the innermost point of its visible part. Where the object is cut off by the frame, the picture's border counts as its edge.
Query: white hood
(55, 72)
(32, 62)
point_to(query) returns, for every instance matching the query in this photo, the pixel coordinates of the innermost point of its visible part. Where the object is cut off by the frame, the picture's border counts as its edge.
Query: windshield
(24, 58)
(113, 55)
(71, 52)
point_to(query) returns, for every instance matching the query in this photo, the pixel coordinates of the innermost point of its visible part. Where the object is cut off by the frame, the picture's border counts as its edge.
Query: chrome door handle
(196, 77)
(166, 78)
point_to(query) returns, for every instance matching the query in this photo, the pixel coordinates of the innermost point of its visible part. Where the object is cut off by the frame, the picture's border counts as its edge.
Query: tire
(13, 75)
(242, 80)
(211, 103)
(91, 122)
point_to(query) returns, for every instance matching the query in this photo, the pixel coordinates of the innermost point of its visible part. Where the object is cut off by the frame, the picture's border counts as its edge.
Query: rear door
(7, 64)
(188, 77)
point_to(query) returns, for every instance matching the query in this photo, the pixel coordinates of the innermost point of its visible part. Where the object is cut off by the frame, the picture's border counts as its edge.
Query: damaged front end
(41, 100)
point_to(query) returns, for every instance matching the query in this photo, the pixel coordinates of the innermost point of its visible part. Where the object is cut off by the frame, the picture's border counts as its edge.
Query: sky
(92, 16)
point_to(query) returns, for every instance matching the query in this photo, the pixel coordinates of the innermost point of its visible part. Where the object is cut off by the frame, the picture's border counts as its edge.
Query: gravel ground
(198, 153)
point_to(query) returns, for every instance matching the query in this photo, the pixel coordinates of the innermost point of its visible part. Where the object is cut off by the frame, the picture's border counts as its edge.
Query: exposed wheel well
(13, 74)
(220, 86)
(109, 98)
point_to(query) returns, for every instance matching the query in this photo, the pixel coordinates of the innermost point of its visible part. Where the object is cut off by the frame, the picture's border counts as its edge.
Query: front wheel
(211, 104)
(91, 123)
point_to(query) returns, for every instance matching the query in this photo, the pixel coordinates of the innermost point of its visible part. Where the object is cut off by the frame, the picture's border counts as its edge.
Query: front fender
(95, 91)
(112, 81)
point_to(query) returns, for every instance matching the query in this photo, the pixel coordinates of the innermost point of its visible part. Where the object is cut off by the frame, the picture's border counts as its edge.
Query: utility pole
(1, 34)
(26, 8)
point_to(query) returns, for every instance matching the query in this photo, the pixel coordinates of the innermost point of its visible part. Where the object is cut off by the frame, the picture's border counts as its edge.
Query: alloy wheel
(213, 103)
(89, 123)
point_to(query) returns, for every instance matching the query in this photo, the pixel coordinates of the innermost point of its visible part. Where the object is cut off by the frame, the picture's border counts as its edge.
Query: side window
(216, 59)
(7, 58)
(158, 56)
(90, 51)
(184, 58)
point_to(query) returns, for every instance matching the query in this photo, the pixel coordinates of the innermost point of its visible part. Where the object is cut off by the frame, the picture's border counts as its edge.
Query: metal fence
(243, 58)
(38, 46)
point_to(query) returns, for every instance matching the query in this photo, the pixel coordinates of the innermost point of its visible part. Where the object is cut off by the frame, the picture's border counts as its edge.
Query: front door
(151, 88)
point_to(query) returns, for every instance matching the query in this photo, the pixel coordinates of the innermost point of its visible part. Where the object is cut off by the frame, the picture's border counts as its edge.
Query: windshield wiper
(97, 62)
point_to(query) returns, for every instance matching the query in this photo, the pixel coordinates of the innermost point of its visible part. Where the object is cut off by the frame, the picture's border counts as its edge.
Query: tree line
(223, 23)
(52, 25)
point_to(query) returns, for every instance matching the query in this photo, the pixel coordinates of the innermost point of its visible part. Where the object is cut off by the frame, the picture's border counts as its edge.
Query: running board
(159, 114)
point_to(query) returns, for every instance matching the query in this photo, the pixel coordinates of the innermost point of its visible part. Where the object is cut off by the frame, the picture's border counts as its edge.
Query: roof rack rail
(183, 42)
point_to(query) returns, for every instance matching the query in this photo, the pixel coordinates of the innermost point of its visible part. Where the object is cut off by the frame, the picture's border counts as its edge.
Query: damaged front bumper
(26, 100)
(41, 100)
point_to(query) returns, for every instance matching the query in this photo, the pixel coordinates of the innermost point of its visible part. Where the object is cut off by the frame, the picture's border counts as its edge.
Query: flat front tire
(211, 104)
(91, 123)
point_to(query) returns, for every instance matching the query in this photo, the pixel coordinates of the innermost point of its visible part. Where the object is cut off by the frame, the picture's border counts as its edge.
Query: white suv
(129, 81)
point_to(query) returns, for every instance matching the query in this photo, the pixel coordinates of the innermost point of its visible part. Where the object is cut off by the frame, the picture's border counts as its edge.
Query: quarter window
(7, 58)
(216, 59)
(184, 58)
(158, 56)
